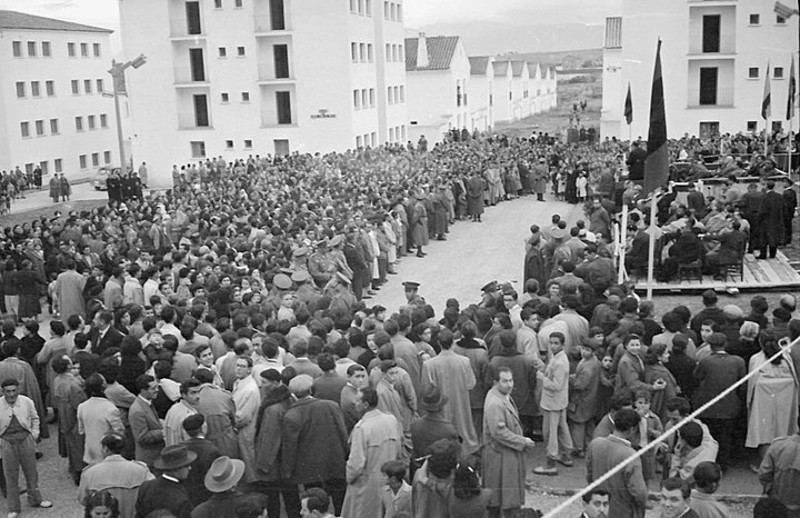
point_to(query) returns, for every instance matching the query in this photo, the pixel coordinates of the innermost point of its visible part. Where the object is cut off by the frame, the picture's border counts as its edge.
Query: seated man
(686, 249)
(690, 452)
(731, 249)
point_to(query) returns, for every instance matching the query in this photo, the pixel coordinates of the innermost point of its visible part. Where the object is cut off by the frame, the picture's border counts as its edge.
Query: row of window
(223, 52)
(392, 11)
(236, 3)
(226, 98)
(369, 139)
(39, 127)
(361, 7)
(364, 98)
(397, 134)
(91, 122)
(87, 86)
(202, 115)
(361, 52)
(755, 19)
(84, 47)
(83, 162)
(754, 72)
(396, 94)
(248, 144)
(36, 89)
(198, 147)
(32, 48)
(394, 52)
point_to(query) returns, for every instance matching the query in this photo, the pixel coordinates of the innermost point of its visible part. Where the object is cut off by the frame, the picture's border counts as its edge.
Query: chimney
(422, 52)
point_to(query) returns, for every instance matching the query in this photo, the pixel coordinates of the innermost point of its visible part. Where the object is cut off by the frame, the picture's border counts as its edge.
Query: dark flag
(766, 101)
(656, 165)
(628, 107)
(792, 93)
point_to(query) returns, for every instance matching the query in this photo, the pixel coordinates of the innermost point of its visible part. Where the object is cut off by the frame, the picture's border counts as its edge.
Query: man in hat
(504, 447)
(354, 255)
(299, 259)
(432, 426)
(221, 479)
(306, 292)
(535, 262)
(167, 491)
(376, 439)
(206, 451)
(413, 297)
(120, 477)
(453, 373)
(322, 264)
(314, 442)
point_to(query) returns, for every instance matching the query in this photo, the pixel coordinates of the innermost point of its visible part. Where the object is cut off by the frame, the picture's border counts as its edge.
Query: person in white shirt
(247, 398)
(174, 433)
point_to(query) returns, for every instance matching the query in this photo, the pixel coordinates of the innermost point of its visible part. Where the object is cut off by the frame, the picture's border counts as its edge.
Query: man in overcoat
(145, 425)
(627, 489)
(770, 217)
(376, 439)
(69, 291)
(314, 442)
(504, 447)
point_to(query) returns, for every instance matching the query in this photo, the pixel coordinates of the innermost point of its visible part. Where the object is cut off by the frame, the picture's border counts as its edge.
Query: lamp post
(117, 72)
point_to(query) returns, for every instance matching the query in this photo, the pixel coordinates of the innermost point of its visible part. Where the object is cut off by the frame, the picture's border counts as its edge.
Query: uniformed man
(281, 285)
(322, 264)
(306, 292)
(412, 294)
(490, 295)
(300, 259)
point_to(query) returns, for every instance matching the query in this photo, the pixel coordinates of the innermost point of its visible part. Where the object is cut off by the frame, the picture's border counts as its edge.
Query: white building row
(714, 59)
(449, 90)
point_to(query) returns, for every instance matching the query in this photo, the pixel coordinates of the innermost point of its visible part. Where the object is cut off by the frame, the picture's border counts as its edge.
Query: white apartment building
(714, 57)
(52, 111)
(233, 78)
(438, 74)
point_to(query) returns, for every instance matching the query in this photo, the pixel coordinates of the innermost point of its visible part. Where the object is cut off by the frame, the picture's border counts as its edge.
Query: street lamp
(118, 73)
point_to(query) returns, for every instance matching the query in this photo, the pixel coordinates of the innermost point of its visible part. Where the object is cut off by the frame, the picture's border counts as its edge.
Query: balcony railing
(727, 45)
(724, 99)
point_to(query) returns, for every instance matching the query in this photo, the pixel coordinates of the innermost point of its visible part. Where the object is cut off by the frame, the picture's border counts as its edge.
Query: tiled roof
(440, 52)
(500, 67)
(613, 38)
(532, 68)
(517, 67)
(17, 20)
(478, 65)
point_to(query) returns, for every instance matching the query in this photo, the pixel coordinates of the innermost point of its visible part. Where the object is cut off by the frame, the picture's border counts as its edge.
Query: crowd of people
(212, 351)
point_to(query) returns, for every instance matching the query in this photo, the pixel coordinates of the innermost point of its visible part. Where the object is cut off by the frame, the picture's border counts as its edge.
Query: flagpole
(651, 248)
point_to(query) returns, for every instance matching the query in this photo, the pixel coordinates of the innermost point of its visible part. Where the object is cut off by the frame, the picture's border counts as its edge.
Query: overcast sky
(418, 13)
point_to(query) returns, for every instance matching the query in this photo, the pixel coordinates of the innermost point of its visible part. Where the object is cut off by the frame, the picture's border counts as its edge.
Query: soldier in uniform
(299, 259)
(306, 292)
(281, 285)
(412, 294)
(114, 186)
(322, 264)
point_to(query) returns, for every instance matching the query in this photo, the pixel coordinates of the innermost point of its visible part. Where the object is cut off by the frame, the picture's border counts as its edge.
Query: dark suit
(314, 447)
(146, 430)
(207, 453)
(789, 206)
(163, 494)
(329, 386)
(770, 217)
(112, 338)
(220, 505)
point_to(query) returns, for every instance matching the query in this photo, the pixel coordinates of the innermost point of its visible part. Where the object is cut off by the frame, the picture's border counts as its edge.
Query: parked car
(100, 177)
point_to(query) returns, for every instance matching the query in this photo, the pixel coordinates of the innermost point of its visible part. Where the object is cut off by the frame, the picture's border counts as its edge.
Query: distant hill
(489, 38)
(567, 59)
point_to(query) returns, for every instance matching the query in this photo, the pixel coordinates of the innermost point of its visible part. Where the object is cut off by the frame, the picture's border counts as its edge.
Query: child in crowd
(650, 428)
(396, 495)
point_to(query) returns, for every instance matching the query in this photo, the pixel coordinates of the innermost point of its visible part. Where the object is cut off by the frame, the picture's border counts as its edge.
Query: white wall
(68, 144)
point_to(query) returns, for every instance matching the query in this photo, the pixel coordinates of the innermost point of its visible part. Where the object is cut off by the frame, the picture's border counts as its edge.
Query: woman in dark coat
(55, 188)
(28, 284)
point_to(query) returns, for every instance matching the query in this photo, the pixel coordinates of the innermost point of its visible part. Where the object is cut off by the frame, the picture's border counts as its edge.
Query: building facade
(714, 59)
(438, 75)
(53, 113)
(481, 93)
(233, 78)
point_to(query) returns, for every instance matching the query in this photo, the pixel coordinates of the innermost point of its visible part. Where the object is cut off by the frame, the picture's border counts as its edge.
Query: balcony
(179, 30)
(724, 99)
(186, 78)
(725, 50)
(265, 28)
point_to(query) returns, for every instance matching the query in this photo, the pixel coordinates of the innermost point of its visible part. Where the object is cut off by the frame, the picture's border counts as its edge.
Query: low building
(481, 93)
(53, 114)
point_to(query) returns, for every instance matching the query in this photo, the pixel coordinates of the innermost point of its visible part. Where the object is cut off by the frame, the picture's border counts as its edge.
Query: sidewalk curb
(725, 498)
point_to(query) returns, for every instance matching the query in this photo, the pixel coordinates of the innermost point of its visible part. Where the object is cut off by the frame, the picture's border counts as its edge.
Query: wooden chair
(737, 268)
(692, 270)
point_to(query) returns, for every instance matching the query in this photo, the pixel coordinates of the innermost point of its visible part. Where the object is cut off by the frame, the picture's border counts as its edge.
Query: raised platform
(769, 274)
